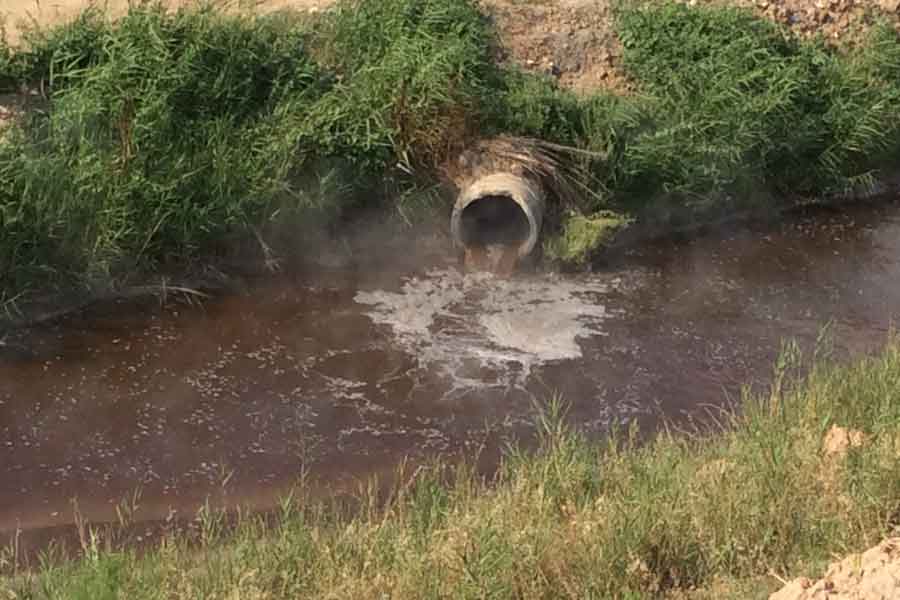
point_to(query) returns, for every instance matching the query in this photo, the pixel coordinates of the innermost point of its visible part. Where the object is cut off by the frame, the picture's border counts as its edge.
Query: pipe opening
(497, 221)
(494, 220)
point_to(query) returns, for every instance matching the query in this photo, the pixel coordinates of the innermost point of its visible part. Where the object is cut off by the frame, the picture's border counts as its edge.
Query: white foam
(464, 325)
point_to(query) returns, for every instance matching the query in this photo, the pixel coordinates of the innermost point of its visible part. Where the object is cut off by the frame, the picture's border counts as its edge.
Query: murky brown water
(498, 259)
(342, 372)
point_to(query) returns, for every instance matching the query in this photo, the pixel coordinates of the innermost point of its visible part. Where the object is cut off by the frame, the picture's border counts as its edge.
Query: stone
(838, 440)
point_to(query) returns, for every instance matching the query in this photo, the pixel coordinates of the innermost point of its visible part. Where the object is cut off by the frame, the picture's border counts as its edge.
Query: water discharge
(497, 259)
(342, 371)
(466, 325)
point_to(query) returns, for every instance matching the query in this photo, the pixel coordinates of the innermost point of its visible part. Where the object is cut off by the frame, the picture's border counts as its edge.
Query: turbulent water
(498, 259)
(479, 331)
(341, 373)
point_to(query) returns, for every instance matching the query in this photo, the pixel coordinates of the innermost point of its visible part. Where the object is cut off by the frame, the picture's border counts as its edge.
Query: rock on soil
(872, 575)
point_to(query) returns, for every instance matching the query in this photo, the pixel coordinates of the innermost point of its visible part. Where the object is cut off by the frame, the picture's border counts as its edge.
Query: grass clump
(575, 519)
(581, 235)
(167, 135)
(160, 140)
(410, 80)
(746, 111)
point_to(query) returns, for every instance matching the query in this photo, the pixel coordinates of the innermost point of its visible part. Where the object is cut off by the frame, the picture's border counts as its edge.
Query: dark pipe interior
(493, 220)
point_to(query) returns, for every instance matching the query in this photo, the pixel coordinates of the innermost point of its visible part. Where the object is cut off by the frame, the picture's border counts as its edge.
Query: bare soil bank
(871, 575)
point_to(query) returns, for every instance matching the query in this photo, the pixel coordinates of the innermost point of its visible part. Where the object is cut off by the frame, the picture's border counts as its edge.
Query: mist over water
(347, 369)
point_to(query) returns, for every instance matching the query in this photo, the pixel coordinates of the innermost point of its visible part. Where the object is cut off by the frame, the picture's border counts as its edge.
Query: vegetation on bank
(720, 515)
(166, 136)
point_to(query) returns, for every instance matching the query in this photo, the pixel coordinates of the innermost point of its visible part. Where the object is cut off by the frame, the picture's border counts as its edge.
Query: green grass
(749, 108)
(580, 235)
(167, 133)
(712, 514)
(168, 136)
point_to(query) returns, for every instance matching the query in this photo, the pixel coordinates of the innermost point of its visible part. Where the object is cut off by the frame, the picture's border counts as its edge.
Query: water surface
(340, 372)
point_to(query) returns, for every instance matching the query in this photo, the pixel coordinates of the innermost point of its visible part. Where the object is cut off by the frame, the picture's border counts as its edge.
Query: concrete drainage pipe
(499, 210)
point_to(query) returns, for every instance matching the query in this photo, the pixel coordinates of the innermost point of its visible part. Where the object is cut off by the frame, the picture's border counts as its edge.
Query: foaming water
(341, 373)
(471, 327)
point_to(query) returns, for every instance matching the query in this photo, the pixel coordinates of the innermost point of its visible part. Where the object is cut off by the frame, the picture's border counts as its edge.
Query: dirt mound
(872, 575)
(572, 40)
(835, 19)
